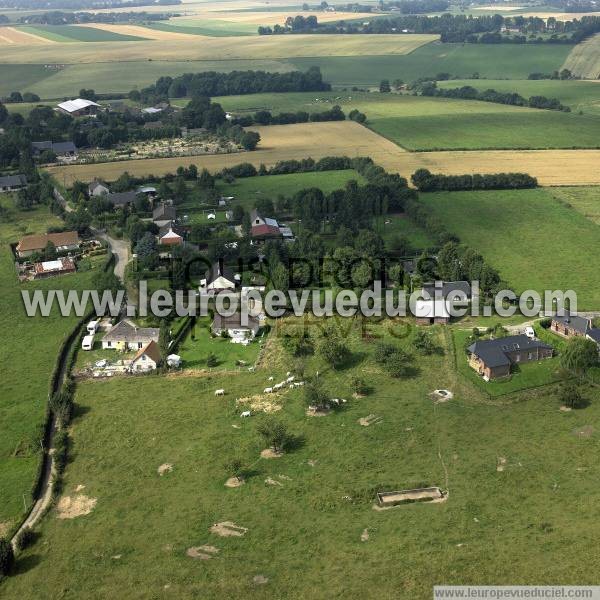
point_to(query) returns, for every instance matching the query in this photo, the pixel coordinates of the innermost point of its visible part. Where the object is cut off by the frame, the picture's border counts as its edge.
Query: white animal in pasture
(219, 392)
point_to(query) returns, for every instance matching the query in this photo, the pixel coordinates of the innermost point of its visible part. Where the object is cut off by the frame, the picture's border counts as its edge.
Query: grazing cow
(278, 386)
(246, 413)
(288, 373)
(219, 392)
(268, 390)
(335, 401)
(251, 369)
(290, 379)
(271, 378)
(299, 384)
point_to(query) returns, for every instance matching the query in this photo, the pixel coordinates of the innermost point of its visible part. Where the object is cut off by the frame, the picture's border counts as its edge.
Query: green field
(16, 78)
(578, 95)
(71, 33)
(460, 60)
(247, 190)
(210, 27)
(584, 200)
(304, 534)
(27, 362)
(420, 123)
(534, 241)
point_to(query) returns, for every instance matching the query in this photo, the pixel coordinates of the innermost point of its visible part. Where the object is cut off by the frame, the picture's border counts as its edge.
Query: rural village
(446, 150)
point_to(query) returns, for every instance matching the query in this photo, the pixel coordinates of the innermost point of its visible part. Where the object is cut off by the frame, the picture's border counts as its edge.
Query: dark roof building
(164, 213)
(570, 324)
(59, 148)
(10, 183)
(493, 358)
(448, 289)
(122, 198)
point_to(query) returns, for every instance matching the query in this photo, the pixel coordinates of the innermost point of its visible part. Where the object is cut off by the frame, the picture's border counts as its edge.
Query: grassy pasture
(497, 525)
(20, 77)
(418, 123)
(533, 240)
(70, 33)
(578, 95)
(583, 199)
(27, 358)
(460, 60)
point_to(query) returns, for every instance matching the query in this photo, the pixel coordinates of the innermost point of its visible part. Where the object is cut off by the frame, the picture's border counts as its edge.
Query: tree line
(425, 181)
(57, 17)
(265, 117)
(468, 92)
(211, 83)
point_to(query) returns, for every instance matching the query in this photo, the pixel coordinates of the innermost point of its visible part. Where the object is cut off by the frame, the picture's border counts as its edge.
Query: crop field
(514, 230)
(584, 59)
(256, 18)
(148, 32)
(77, 33)
(460, 60)
(418, 123)
(307, 516)
(221, 48)
(581, 96)
(208, 27)
(25, 384)
(284, 142)
(23, 37)
(585, 200)
(20, 77)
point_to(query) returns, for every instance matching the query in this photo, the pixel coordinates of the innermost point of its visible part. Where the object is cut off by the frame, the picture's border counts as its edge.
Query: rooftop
(494, 352)
(75, 105)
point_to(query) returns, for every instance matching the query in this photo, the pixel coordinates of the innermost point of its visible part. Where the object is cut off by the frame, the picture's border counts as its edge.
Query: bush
(212, 360)
(25, 538)
(7, 557)
(359, 385)
(275, 434)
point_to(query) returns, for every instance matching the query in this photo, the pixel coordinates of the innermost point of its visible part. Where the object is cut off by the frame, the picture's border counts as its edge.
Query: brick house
(493, 359)
(570, 325)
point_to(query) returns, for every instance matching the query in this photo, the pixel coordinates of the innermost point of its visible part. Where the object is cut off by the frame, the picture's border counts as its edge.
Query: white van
(530, 332)
(87, 342)
(92, 327)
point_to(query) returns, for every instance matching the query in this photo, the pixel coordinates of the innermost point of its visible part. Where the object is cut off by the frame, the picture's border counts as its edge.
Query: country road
(120, 249)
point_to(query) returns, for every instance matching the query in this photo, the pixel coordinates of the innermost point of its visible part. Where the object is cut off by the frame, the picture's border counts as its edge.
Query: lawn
(304, 533)
(199, 344)
(581, 96)
(511, 61)
(71, 33)
(392, 226)
(419, 123)
(534, 241)
(526, 376)
(27, 358)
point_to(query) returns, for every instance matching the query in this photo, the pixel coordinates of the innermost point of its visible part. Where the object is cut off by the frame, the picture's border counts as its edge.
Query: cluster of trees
(17, 97)
(57, 17)
(211, 83)
(82, 4)
(484, 29)
(562, 74)
(468, 92)
(426, 181)
(265, 117)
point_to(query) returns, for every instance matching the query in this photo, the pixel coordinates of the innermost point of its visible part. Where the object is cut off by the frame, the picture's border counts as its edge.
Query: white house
(79, 107)
(97, 188)
(146, 359)
(219, 278)
(233, 327)
(125, 335)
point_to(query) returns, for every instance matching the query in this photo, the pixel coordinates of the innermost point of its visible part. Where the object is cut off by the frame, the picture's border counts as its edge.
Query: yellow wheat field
(270, 18)
(216, 48)
(285, 142)
(143, 32)
(10, 36)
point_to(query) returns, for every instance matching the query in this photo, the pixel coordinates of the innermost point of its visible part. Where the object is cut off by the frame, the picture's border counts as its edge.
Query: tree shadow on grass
(352, 360)
(24, 564)
(79, 411)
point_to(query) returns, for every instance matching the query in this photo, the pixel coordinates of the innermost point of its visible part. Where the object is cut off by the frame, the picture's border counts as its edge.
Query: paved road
(120, 248)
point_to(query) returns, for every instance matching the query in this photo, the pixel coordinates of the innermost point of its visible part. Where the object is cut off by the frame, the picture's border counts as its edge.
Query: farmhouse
(147, 358)
(170, 235)
(493, 358)
(98, 188)
(219, 278)
(78, 107)
(453, 291)
(429, 312)
(263, 228)
(233, 328)
(125, 335)
(121, 199)
(63, 242)
(164, 214)
(12, 183)
(49, 268)
(61, 149)
(570, 325)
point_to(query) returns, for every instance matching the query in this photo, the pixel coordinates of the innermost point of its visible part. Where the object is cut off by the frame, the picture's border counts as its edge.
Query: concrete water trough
(427, 494)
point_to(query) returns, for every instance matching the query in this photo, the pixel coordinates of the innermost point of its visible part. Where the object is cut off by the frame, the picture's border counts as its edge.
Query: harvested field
(284, 142)
(10, 36)
(246, 47)
(143, 32)
(584, 59)
(266, 18)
